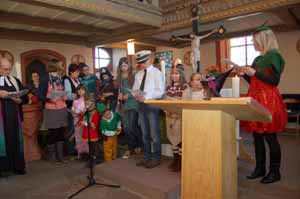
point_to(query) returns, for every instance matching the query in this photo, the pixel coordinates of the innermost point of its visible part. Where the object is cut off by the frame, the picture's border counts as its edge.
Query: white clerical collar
(4, 79)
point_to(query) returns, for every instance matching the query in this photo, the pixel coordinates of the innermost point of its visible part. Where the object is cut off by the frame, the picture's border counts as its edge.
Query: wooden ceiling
(95, 22)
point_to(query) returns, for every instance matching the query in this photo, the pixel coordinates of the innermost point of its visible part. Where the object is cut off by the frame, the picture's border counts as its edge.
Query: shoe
(174, 162)
(20, 172)
(126, 155)
(59, 147)
(273, 176)
(177, 166)
(142, 163)
(257, 173)
(153, 163)
(138, 150)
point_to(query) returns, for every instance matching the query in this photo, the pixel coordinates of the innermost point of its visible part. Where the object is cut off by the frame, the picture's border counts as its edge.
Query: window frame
(245, 45)
(108, 51)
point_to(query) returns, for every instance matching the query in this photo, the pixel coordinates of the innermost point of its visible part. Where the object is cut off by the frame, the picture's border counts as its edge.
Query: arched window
(102, 58)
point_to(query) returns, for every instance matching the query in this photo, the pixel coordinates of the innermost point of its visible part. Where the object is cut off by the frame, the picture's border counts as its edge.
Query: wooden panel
(209, 166)
(243, 108)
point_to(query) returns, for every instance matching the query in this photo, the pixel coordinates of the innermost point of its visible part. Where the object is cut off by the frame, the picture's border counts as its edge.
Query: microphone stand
(91, 179)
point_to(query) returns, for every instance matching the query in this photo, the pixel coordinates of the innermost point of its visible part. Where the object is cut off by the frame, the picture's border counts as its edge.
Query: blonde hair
(266, 40)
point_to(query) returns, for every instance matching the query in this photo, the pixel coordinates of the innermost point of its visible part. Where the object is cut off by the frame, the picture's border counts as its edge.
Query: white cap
(142, 56)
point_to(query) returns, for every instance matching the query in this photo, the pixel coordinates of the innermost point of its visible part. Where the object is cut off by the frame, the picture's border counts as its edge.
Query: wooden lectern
(209, 164)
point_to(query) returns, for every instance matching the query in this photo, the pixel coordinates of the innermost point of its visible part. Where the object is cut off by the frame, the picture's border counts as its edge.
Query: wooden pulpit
(209, 164)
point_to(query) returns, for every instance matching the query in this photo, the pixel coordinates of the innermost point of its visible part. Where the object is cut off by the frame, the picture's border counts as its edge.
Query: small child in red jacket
(90, 125)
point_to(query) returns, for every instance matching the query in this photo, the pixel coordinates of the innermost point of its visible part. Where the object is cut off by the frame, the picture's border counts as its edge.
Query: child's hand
(120, 96)
(118, 131)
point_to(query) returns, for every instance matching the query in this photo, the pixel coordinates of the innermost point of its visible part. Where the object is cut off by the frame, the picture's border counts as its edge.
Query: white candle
(236, 93)
(236, 86)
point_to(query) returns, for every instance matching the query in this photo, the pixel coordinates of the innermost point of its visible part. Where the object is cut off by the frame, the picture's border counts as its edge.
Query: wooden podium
(209, 164)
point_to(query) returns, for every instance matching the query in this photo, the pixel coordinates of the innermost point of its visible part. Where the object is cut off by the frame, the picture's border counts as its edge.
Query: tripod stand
(91, 179)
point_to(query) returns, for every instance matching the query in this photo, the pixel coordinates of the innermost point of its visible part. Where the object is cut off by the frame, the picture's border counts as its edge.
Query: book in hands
(17, 94)
(54, 95)
(136, 93)
(229, 62)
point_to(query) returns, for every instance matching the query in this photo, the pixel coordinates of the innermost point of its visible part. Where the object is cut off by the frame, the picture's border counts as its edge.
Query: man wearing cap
(150, 81)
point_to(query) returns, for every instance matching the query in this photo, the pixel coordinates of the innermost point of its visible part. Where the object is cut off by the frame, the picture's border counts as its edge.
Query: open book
(54, 95)
(229, 62)
(17, 93)
(136, 93)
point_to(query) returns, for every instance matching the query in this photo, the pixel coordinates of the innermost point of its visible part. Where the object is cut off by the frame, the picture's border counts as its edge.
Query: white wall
(290, 78)
(17, 47)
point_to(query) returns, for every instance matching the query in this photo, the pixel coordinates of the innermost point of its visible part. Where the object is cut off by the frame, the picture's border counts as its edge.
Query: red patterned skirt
(268, 96)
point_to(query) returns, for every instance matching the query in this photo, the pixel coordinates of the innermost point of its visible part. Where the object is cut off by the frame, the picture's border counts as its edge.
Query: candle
(236, 86)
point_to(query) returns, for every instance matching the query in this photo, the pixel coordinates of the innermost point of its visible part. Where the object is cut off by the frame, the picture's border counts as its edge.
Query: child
(110, 127)
(196, 90)
(173, 120)
(78, 110)
(106, 91)
(90, 125)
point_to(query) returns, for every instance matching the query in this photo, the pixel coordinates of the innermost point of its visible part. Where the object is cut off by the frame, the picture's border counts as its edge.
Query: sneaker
(126, 155)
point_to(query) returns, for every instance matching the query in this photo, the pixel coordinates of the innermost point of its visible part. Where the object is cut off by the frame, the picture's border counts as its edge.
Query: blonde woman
(264, 77)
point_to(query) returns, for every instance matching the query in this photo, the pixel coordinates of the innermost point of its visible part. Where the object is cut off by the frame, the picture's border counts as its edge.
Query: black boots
(257, 173)
(273, 176)
(175, 166)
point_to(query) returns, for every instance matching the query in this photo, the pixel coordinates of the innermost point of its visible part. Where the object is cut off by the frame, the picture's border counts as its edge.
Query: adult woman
(52, 95)
(129, 108)
(264, 77)
(11, 140)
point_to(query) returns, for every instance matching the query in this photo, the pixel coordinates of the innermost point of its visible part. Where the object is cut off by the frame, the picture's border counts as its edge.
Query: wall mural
(167, 56)
(8, 55)
(76, 59)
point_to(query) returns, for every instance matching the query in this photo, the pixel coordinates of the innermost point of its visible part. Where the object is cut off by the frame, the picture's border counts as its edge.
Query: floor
(54, 181)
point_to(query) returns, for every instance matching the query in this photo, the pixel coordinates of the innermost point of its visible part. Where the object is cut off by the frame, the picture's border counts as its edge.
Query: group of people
(103, 108)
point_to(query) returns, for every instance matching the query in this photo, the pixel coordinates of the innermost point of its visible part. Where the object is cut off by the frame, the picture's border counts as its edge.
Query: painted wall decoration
(167, 56)
(76, 59)
(8, 55)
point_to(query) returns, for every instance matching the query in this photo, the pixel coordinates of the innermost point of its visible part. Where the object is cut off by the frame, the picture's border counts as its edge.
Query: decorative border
(232, 12)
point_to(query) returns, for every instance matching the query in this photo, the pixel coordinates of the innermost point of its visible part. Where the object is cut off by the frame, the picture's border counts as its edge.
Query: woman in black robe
(11, 138)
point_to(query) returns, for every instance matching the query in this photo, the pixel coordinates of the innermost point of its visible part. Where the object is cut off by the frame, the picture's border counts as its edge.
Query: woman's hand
(3, 93)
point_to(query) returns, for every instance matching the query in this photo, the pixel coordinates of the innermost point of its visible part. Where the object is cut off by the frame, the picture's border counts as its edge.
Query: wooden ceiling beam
(15, 18)
(287, 17)
(132, 31)
(46, 5)
(43, 37)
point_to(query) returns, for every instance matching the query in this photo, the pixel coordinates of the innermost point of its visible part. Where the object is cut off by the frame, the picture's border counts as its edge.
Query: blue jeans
(149, 121)
(132, 130)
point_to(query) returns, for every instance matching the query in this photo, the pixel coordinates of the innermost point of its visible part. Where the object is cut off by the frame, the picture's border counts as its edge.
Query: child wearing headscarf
(174, 91)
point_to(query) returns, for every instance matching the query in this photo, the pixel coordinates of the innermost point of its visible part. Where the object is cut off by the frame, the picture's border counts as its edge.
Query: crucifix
(195, 37)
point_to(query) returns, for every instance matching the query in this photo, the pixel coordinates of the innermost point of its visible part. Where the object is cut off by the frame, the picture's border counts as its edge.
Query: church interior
(98, 33)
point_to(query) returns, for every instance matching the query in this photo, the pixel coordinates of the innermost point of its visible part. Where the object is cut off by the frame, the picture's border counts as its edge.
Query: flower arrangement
(212, 71)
